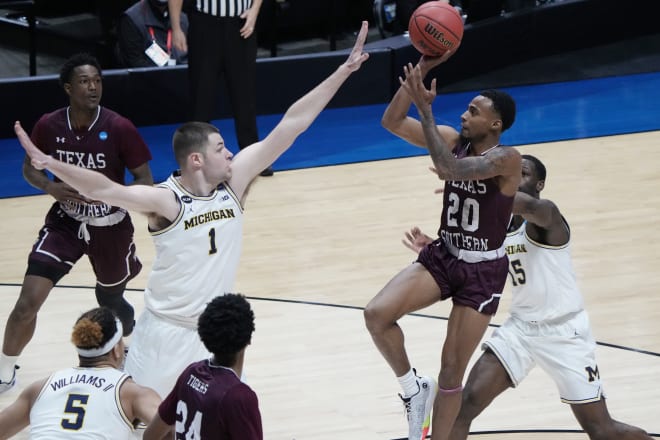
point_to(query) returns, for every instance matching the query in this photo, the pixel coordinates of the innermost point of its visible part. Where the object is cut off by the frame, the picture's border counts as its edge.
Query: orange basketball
(435, 27)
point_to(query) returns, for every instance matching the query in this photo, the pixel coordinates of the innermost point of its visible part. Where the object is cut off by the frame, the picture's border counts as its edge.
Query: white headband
(100, 351)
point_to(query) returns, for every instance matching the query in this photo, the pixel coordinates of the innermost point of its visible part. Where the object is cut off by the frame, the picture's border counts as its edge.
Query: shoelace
(406, 406)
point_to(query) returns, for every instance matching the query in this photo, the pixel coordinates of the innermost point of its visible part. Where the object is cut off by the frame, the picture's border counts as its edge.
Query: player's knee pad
(37, 268)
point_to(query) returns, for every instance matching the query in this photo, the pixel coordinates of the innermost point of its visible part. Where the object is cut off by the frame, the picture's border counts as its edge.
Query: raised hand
(38, 158)
(426, 62)
(357, 56)
(60, 191)
(413, 84)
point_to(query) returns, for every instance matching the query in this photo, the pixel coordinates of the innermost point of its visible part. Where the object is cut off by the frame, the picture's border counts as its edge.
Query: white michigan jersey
(543, 282)
(81, 403)
(197, 256)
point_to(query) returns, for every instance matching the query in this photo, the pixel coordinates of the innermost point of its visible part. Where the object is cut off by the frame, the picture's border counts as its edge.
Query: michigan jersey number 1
(212, 249)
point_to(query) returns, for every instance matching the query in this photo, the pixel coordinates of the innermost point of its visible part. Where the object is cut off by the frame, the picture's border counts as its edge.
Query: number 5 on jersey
(76, 405)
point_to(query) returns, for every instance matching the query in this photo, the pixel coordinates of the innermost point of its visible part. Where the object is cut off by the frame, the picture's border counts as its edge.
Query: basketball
(435, 27)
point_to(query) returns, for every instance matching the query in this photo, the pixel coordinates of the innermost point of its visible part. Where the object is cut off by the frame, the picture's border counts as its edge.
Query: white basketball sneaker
(6, 386)
(418, 408)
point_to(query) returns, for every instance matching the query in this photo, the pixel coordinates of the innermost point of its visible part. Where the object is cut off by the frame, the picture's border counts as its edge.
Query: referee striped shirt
(223, 8)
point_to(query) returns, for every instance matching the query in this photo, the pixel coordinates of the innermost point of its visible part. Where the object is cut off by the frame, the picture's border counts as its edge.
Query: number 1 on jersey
(212, 249)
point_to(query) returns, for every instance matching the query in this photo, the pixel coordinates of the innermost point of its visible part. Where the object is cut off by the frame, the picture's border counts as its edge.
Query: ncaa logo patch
(103, 135)
(186, 199)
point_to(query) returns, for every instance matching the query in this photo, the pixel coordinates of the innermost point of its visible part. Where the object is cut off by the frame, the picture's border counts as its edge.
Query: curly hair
(94, 328)
(225, 327)
(504, 105)
(77, 60)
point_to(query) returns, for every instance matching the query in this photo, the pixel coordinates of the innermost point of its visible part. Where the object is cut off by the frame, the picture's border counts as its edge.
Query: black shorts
(475, 285)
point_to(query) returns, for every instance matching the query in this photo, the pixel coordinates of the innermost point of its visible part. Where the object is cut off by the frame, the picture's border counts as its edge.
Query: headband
(100, 351)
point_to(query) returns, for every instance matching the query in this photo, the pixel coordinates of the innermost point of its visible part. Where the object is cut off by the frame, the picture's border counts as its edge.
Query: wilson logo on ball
(438, 36)
(435, 27)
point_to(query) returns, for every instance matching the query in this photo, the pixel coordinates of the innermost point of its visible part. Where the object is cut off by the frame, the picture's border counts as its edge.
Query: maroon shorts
(111, 250)
(475, 285)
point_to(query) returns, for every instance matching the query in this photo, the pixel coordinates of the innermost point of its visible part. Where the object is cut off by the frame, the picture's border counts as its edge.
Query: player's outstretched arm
(542, 214)
(96, 186)
(17, 415)
(252, 160)
(142, 401)
(499, 162)
(396, 120)
(60, 191)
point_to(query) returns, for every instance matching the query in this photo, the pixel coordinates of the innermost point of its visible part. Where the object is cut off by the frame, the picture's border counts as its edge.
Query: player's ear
(540, 185)
(118, 351)
(497, 125)
(67, 88)
(196, 159)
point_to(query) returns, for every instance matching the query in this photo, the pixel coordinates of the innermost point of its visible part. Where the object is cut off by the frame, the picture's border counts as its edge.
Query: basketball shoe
(418, 408)
(6, 386)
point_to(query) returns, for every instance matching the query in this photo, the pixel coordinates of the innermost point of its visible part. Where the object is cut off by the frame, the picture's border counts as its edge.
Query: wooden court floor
(319, 243)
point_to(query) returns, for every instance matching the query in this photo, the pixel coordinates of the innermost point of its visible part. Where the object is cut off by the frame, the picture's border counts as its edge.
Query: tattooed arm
(504, 163)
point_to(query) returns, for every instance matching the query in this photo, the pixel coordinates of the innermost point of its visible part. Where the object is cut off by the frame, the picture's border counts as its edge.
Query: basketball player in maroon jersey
(89, 136)
(209, 400)
(547, 325)
(467, 263)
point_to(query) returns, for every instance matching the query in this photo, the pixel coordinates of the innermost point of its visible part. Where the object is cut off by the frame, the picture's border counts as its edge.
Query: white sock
(7, 365)
(409, 383)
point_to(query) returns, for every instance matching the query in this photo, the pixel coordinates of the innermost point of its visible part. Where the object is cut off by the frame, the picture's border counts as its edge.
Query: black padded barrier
(152, 96)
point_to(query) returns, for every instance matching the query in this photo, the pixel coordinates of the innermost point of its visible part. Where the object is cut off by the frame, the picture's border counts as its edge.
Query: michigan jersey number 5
(517, 272)
(76, 405)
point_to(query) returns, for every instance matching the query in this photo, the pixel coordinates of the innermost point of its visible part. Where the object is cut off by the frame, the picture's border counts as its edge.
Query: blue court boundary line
(346, 306)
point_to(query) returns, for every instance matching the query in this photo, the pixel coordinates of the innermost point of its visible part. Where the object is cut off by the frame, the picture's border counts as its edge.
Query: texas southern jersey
(211, 402)
(80, 403)
(196, 256)
(542, 278)
(111, 145)
(475, 213)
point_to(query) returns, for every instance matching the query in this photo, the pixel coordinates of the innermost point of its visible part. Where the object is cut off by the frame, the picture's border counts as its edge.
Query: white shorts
(565, 350)
(159, 351)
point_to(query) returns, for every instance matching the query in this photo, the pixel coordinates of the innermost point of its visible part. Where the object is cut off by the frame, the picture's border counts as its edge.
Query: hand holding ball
(435, 27)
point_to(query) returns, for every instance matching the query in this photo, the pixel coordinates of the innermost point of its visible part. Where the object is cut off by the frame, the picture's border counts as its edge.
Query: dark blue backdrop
(546, 112)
